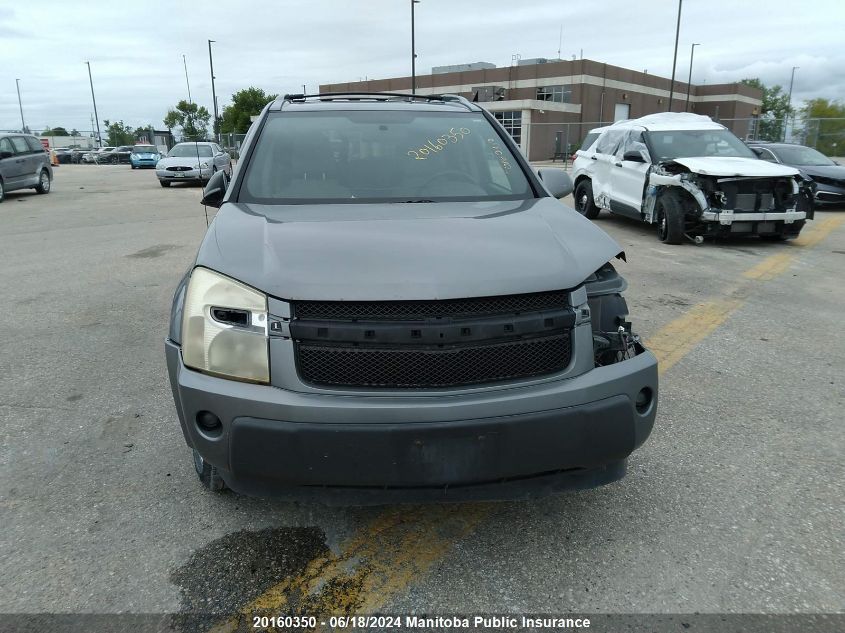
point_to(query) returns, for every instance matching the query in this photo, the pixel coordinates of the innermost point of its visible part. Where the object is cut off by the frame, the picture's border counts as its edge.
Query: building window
(512, 122)
(559, 94)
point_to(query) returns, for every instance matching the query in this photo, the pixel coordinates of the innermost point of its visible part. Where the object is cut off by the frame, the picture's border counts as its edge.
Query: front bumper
(829, 195)
(192, 175)
(143, 162)
(512, 442)
(728, 217)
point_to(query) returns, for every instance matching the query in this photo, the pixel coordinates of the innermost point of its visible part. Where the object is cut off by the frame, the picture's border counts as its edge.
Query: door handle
(593, 158)
(618, 164)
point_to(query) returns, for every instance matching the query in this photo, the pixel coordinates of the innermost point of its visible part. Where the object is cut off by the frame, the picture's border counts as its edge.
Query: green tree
(824, 125)
(773, 112)
(245, 103)
(119, 133)
(192, 119)
(56, 131)
(75, 132)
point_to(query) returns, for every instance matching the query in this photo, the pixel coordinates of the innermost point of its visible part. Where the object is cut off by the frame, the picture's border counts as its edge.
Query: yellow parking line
(380, 561)
(402, 544)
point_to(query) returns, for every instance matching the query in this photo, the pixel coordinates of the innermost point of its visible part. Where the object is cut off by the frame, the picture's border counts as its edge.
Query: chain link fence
(231, 143)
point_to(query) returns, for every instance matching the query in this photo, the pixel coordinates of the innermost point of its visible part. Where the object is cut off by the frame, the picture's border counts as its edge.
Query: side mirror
(212, 194)
(757, 151)
(6, 154)
(633, 155)
(557, 181)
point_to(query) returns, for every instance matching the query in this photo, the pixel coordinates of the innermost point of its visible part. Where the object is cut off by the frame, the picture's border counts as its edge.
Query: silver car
(24, 164)
(192, 162)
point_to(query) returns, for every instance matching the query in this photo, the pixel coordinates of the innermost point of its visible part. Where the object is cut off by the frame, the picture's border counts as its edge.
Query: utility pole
(675, 58)
(689, 81)
(789, 101)
(188, 83)
(213, 93)
(20, 104)
(96, 116)
(413, 52)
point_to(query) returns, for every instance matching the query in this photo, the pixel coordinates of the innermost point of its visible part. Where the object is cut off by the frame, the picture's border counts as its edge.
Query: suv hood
(734, 166)
(444, 250)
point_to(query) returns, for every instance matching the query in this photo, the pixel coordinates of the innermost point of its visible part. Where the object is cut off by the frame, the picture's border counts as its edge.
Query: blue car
(144, 156)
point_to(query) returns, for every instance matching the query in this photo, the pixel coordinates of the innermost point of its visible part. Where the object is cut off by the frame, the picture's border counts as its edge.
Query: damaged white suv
(689, 176)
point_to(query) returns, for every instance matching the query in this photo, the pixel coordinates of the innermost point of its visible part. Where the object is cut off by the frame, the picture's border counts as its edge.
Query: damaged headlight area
(224, 328)
(613, 339)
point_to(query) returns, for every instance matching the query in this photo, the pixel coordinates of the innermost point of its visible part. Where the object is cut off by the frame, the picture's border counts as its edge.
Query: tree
(191, 118)
(245, 103)
(75, 132)
(119, 133)
(824, 125)
(773, 112)
(56, 131)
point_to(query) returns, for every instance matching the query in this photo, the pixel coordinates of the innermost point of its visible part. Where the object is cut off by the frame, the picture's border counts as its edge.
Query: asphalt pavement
(735, 504)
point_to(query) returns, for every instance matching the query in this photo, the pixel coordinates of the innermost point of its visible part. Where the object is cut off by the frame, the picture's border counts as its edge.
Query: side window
(608, 141)
(766, 154)
(6, 145)
(20, 145)
(34, 144)
(589, 140)
(633, 142)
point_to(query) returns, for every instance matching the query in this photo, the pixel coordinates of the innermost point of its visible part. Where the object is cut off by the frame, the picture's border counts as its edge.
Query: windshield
(381, 156)
(144, 149)
(688, 143)
(189, 149)
(800, 155)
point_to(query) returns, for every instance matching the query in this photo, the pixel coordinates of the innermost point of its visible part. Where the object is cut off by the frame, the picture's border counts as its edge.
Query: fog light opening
(209, 424)
(643, 401)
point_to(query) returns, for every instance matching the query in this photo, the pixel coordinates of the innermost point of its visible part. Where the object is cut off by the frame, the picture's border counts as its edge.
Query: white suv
(691, 177)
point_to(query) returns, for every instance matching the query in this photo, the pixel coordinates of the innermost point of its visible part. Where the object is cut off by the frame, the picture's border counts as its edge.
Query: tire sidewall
(2, 190)
(586, 207)
(43, 182)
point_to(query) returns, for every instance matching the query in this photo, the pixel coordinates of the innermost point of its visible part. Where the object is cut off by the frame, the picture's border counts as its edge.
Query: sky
(135, 48)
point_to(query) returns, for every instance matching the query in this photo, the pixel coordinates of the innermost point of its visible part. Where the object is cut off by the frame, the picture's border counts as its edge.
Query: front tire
(208, 475)
(670, 218)
(584, 203)
(164, 183)
(2, 190)
(43, 182)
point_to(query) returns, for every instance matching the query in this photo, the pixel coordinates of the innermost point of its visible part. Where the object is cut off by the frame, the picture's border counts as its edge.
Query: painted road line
(818, 231)
(402, 544)
(372, 567)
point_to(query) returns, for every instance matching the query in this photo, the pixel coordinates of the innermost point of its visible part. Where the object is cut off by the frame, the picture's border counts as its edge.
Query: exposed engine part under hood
(444, 250)
(734, 167)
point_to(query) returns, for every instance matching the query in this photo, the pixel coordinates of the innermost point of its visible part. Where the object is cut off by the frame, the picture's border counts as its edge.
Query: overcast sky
(136, 48)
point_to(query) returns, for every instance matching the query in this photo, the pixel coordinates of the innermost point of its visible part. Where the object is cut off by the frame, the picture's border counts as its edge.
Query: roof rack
(377, 96)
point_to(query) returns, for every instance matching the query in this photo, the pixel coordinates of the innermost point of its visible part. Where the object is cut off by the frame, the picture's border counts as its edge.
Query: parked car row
(827, 174)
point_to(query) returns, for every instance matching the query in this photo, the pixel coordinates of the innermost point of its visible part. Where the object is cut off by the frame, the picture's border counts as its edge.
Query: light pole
(213, 94)
(413, 52)
(689, 81)
(20, 104)
(789, 101)
(675, 58)
(96, 116)
(188, 83)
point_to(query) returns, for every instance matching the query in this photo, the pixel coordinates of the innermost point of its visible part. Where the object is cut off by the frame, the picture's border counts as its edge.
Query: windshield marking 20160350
(423, 152)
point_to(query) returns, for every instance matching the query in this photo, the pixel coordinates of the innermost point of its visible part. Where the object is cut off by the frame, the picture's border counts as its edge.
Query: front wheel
(584, 203)
(2, 191)
(43, 182)
(670, 219)
(209, 475)
(164, 183)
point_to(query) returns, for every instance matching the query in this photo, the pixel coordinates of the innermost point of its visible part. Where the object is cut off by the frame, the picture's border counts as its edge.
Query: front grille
(356, 366)
(180, 168)
(414, 310)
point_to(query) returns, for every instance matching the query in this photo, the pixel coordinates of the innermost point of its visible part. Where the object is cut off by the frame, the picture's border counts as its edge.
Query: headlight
(203, 164)
(224, 328)
(133, 156)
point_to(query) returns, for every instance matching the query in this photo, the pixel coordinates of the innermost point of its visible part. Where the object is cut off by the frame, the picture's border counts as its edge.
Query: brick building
(550, 105)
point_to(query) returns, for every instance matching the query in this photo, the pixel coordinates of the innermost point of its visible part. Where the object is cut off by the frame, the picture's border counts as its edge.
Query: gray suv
(392, 305)
(24, 164)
